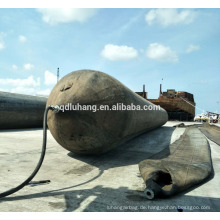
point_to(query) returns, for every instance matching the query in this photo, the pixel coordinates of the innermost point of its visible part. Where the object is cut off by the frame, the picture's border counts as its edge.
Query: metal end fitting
(149, 193)
(55, 108)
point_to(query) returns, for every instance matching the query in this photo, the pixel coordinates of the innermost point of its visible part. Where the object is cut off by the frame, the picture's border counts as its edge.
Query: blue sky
(136, 46)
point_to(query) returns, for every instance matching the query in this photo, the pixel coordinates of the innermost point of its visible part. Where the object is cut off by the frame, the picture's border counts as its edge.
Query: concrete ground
(110, 182)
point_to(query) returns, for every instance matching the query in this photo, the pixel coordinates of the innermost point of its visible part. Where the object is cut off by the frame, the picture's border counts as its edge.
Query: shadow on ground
(106, 199)
(100, 198)
(132, 152)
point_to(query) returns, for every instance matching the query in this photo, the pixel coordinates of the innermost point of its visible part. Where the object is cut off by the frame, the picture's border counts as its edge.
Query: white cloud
(28, 66)
(22, 86)
(3, 90)
(63, 15)
(192, 48)
(2, 43)
(131, 21)
(203, 82)
(22, 39)
(45, 92)
(114, 52)
(29, 82)
(160, 52)
(23, 90)
(14, 67)
(49, 78)
(28, 86)
(170, 16)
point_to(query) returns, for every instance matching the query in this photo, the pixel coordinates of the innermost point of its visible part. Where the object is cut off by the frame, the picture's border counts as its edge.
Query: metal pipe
(21, 111)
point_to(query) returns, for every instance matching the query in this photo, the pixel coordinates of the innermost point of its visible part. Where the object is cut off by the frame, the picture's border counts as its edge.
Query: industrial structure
(179, 105)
